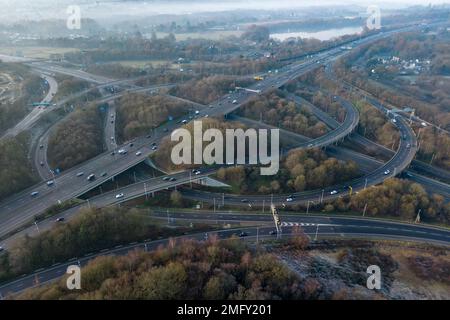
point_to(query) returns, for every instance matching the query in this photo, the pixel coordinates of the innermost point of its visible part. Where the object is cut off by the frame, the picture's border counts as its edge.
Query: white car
(50, 183)
(1, 249)
(387, 172)
(289, 199)
(154, 147)
(122, 151)
(333, 192)
(138, 153)
(120, 195)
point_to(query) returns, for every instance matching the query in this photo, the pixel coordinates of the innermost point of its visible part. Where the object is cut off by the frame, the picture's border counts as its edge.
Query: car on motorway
(112, 138)
(34, 193)
(387, 172)
(91, 177)
(103, 174)
(154, 147)
(172, 179)
(138, 153)
(41, 146)
(50, 183)
(289, 199)
(42, 163)
(166, 179)
(244, 200)
(234, 102)
(80, 174)
(122, 151)
(184, 121)
(333, 192)
(120, 195)
(197, 172)
(243, 234)
(60, 219)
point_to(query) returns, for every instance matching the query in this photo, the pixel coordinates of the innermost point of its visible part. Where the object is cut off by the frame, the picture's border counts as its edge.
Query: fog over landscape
(13, 10)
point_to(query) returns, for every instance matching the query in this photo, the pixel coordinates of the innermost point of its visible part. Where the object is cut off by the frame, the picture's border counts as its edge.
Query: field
(34, 52)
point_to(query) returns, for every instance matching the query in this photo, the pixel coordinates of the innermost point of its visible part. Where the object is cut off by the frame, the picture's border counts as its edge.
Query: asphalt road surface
(316, 227)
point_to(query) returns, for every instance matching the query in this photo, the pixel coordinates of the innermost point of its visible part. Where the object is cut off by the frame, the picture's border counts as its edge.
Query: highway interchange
(21, 208)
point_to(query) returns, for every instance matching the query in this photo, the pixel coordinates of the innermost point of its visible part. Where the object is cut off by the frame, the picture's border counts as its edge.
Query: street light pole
(257, 235)
(145, 190)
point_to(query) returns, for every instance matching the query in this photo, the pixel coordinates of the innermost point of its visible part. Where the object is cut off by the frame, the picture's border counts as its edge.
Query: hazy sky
(41, 9)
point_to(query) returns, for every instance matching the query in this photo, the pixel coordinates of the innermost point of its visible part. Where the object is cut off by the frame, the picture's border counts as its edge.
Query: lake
(322, 35)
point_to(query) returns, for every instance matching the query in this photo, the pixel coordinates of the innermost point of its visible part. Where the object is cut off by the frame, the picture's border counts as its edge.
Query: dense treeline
(238, 66)
(77, 138)
(137, 114)
(115, 70)
(435, 147)
(300, 170)
(208, 89)
(31, 90)
(137, 47)
(15, 168)
(373, 124)
(166, 146)
(92, 230)
(186, 270)
(68, 86)
(398, 198)
(272, 108)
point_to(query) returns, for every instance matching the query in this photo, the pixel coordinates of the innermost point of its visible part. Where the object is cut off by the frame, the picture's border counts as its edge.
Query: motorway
(37, 111)
(315, 227)
(68, 185)
(110, 127)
